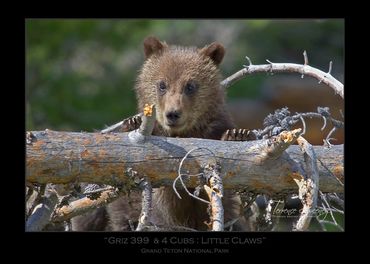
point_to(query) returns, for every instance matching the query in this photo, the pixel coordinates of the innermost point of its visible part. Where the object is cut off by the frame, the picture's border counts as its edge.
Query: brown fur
(203, 115)
(199, 113)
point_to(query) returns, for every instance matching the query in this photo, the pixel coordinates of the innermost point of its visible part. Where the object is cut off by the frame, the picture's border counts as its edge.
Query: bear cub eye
(190, 88)
(162, 88)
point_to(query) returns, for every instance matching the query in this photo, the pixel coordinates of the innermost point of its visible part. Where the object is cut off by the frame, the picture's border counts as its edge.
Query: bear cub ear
(215, 51)
(152, 45)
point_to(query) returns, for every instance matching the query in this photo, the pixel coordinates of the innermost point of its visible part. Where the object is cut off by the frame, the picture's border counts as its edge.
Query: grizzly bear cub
(184, 84)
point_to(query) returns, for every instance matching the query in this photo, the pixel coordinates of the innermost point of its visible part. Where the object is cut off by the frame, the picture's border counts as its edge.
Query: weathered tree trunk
(64, 157)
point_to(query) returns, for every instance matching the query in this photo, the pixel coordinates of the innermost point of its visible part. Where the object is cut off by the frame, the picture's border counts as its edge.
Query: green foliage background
(80, 73)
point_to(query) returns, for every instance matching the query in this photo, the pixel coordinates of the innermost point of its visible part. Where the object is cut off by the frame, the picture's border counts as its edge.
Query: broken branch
(84, 205)
(272, 67)
(308, 186)
(277, 145)
(146, 127)
(215, 194)
(146, 204)
(57, 157)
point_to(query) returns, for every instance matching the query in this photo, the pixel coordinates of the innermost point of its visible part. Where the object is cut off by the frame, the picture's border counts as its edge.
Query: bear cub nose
(173, 116)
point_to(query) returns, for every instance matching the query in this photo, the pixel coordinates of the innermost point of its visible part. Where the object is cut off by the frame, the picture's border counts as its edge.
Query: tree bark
(64, 157)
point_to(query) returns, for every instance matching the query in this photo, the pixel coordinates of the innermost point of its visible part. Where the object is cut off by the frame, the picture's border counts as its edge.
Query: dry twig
(308, 187)
(215, 194)
(304, 69)
(146, 204)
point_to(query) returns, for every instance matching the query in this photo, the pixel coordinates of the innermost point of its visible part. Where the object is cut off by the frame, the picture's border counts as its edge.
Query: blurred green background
(80, 73)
